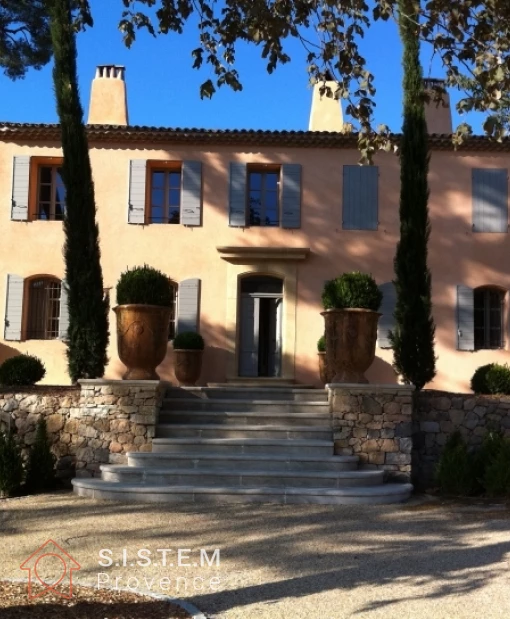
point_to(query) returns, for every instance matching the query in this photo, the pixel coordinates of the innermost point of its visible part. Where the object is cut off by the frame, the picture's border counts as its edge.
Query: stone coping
(101, 382)
(371, 387)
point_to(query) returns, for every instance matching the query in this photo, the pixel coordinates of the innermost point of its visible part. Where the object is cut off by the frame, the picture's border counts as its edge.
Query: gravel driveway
(423, 559)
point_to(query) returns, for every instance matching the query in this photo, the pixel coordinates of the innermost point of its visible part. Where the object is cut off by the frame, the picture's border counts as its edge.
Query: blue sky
(163, 89)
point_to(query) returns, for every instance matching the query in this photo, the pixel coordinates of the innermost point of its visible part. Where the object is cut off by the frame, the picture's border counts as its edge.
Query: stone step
(245, 418)
(249, 406)
(243, 446)
(174, 430)
(131, 492)
(252, 392)
(242, 478)
(274, 462)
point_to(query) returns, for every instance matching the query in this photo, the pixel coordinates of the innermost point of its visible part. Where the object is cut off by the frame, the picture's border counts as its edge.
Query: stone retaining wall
(437, 415)
(374, 422)
(93, 424)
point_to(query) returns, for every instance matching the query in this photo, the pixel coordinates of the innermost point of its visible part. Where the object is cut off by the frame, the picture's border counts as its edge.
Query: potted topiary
(144, 296)
(188, 351)
(351, 302)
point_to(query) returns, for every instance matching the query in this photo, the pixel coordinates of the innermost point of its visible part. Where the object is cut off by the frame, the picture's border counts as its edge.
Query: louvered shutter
(188, 305)
(191, 205)
(291, 195)
(386, 320)
(14, 308)
(465, 318)
(237, 197)
(360, 208)
(20, 188)
(137, 181)
(490, 200)
(63, 320)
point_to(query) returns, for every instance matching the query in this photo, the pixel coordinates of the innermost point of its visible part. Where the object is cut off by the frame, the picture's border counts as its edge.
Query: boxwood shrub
(188, 340)
(321, 344)
(22, 371)
(352, 290)
(144, 285)
(492, 378)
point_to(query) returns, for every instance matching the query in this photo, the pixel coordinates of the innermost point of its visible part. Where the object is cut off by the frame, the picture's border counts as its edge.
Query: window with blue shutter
(14, 308)
(465, 318)
(191, 205)
(291, 195)
(20, 188)
(137, 181)
(188, 305)
(490, 200)
(387, 319)
(63, 319)
(237, 195)
(360, 206)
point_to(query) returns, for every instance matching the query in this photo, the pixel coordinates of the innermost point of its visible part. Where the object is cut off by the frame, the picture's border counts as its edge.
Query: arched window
(43, 308)
(489, 312)
(173, 311)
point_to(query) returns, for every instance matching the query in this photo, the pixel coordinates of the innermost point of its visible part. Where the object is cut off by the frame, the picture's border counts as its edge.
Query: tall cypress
(88, 311)
(413, 337)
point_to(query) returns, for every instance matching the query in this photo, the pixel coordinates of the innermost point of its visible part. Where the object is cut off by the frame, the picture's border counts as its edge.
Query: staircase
(241, 444)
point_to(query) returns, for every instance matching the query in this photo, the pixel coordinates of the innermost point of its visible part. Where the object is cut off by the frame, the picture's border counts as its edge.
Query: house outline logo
(69, 565)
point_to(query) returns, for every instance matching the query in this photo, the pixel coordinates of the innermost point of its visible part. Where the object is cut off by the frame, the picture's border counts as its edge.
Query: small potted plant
(144, 296)
(188, 351)
(351, 303)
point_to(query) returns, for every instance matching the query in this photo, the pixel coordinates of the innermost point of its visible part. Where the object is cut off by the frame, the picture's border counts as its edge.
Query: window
(165, 196)
(173, 312)
(264, 197)
(51, 193)
(43, 309)
(488, 318)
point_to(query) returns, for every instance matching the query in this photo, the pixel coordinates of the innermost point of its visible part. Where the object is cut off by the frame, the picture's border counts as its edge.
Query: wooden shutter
(387, 320)
(237, 199)
(490, 200)
(14, 308)
(465, 318)
(137, 181)
(20, 188)
(291, 195)
(63, 320)
(249, 336)
(360, 209)
(188, 305)
(191, 205)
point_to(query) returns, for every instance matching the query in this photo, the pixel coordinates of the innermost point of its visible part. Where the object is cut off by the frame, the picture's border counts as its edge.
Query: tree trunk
(88, 309)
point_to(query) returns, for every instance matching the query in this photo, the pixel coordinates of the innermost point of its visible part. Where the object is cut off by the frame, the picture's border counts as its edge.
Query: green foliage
(189, 340)
(455, 473)
(11, 465)
(352, 290)
(41, 461)
(87, 337)
(496, 479)
(23, 370)
(492, 378)
(413, 338)
(144, 285)
(321, 344)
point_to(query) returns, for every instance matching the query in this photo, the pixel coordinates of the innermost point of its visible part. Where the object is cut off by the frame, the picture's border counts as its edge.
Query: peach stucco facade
(457, 255)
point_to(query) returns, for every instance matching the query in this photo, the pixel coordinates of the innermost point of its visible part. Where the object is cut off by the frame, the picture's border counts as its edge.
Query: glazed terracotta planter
(351, 336)
(187, 366)
(324, 373)
(142, 339)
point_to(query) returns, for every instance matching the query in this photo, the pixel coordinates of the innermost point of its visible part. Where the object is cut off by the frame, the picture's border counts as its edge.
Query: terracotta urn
(187, 366)
(142, 339)
(324, 373)
(351, 336)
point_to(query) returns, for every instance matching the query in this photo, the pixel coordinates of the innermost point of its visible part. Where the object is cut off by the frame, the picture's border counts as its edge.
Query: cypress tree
(88, 312)
(41, 462)
(413, 337)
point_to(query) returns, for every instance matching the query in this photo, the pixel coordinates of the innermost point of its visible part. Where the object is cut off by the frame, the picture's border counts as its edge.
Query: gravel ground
(424, 559)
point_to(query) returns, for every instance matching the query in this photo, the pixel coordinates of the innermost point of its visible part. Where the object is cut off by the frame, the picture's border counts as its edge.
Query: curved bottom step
(131, 492)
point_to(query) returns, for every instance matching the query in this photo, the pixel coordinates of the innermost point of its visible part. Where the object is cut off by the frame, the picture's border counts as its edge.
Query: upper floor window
(43, 309)
(264, 197)
(165, 196)
(488, 318)
(51, 193)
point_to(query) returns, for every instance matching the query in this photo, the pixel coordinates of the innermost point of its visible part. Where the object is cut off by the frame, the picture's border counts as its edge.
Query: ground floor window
(43, 309)
(489, 312)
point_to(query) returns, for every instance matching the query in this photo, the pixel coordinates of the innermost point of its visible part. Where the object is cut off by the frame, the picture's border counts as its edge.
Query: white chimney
(108, 97)
(326, 113)
(438, 114)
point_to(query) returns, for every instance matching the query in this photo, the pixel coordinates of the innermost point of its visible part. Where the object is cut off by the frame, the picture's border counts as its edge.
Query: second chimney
(326, 113)
(108, 97)
(438, 114)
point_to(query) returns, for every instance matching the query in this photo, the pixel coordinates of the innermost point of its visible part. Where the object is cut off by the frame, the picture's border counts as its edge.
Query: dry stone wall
(93, 424)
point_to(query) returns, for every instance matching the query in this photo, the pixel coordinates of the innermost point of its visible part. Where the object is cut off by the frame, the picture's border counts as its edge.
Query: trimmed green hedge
(22, 371)
(144, 285)
(352, 290)
(189, 340)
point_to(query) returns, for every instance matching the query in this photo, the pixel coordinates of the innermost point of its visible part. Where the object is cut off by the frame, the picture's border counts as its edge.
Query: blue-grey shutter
(191, 205)
(188, 305)
(237, 197)
(249, 337)
(386, 320)
(137, 181)
(465, 318)
(63, 320)
(490, 200)
(291, 195)
(360, 208)
(14, 308)
(20, 188)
